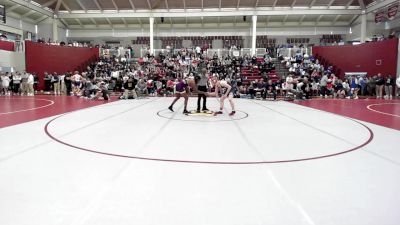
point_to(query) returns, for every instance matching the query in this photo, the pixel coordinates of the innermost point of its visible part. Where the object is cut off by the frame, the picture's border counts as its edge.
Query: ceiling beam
(94, 21)
(166, 4)
(184, 5)
(57, 8)
(149, 4)
(274, 4)
(284, 19)
(202, 5)
(234, 12)
(124, 21)
(66, 6)
(302, 18)
(256, 5)
(294, 3)
(10, 9)
(330, 3)
(380, 5)
(41, 19)
(115, 5)
(312, 3)
(220, 4)
(132, 5)
(81, 5)
(77, 20)
(336, 19)
(349, 3)
(355, 17)
(319, 18)
(108, 21)
(28, 14)
(48, 3)
(65, 23)
(98, 5)
(31, 6)
(238, 4)
(362, 4)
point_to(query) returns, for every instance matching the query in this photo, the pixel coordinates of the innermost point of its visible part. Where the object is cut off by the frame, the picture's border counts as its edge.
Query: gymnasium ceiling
(78, 14)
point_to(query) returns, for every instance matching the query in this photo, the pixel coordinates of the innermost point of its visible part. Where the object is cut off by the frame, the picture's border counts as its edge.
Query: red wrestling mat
(378, 111)
(21, 109)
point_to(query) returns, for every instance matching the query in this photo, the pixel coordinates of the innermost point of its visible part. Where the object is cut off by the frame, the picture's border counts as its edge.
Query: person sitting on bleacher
(270, 89)
(129, 88)
(141, 88)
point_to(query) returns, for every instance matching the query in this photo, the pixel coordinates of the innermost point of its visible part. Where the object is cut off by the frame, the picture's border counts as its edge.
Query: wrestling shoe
(170, 108)
(205, 109)
(232, 113)
(216, 113)
(185, 112)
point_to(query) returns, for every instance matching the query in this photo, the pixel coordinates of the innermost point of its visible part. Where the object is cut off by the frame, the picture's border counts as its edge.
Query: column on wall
(254, 35)
(363, 32)
(55, 30)
(151, 35)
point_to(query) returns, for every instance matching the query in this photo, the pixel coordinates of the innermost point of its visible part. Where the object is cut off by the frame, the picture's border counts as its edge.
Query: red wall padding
(361, 58)
(42, 58)
(7, 45)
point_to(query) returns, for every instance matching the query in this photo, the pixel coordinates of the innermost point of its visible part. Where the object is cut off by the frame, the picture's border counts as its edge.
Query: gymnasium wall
(372, 57)
(12, 59)
(41, 58)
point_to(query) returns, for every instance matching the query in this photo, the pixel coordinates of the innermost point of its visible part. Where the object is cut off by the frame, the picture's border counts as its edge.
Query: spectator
(379, 86)
(56, 82)
(129, 88)
(362, 82)
(30, 82)
(398, 85)
(323, 84)
(5, 83)
(389, 83)
(16, 82)
(68, 83)
(24, 83)
(270, 88)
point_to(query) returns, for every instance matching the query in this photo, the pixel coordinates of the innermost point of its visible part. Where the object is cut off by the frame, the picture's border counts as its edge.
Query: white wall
(62, 34)
(99, 36)
(17, 26)
(218, 31)
(12, 59)
(372, 28)
(45, 29)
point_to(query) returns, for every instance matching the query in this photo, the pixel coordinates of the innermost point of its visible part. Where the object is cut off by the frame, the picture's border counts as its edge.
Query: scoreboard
(2, 14)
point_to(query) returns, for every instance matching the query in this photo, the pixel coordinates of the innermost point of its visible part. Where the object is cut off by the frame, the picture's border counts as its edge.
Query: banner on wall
(392, 11)
(380, 16)
(388, 13)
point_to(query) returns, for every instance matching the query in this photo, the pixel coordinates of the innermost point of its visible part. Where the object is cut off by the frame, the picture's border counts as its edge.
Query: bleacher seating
(262, 41)
(250, 74)
(331, 38)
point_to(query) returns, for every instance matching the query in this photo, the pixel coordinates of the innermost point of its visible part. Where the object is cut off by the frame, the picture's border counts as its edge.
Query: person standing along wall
(389, 83)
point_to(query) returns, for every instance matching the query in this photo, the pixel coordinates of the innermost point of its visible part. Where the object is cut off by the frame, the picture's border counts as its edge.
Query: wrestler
(181, 90)
(223, 89)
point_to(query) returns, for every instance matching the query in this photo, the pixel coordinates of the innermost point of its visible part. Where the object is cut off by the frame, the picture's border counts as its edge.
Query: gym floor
(65, 160)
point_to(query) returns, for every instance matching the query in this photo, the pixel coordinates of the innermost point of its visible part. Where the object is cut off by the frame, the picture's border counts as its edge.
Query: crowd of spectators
(308, 78)
(156, 76)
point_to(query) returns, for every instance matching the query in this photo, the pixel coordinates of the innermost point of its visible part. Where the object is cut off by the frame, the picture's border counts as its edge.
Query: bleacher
(262, 41)
(331, 38)
(250, 74)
